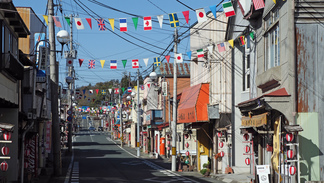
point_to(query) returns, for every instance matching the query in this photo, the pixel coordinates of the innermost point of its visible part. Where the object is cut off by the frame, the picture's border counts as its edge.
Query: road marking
(75, 173)
(67, 177)
(162, 170)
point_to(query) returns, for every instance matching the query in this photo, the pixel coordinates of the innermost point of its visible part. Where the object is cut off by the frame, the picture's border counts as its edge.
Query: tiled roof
(166, 69)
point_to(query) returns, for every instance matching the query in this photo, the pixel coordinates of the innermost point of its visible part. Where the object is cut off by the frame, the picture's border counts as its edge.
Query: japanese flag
(78, 23)
(201, 15)
(69, 62)
(178, 57)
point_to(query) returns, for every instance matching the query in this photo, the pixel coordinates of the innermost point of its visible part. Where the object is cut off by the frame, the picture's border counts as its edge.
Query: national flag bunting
(78, 23)
(57, 21)
(157, 61)
(201, 15)
(258, 4)
(242, 40)
(81, 61)
(178, 57)
(113, 64)
(69, 62)
(103, 92)
(123, 24)
(167, 58)
(91, 64)
(142, 87)
(228, 9)
(160, 19)
(135, 64)
(101, 24)
(116, 91)
(200, 53)
(221, 47)
(129, 89)
(186, 15)
(147, 23)
(90, 92)
(174, 21)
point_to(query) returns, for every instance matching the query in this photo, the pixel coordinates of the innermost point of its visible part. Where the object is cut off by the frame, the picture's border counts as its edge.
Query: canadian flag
(116, 91)
(135, 63)
(147, 22)
(78, 23)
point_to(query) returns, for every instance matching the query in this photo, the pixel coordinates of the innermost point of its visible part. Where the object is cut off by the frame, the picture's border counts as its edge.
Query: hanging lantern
(247, 149)
(187, 136)
(26, 165)
(289, 137)
(6, 135)
(219, 134)
(292, 170)
(4, 166)
(221, 144)
(246, 137)
(187, 153)
(221, 154)
(247, 161)
(5, 151)
(187, 145)
(290, 154)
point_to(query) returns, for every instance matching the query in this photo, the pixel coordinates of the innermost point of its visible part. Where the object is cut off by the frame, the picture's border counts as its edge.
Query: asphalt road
(96, 158)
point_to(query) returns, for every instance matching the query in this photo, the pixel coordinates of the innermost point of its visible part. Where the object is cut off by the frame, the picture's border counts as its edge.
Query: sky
(92, 44)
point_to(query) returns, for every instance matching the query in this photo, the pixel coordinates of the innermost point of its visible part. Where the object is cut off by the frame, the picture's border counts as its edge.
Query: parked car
(100, 128)
(91, 128)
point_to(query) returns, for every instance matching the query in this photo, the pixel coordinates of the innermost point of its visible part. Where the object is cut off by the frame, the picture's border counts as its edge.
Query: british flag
(91, 64)
(101, 24)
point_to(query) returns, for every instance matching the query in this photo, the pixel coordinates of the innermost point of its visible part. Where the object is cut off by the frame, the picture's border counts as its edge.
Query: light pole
(70, 80)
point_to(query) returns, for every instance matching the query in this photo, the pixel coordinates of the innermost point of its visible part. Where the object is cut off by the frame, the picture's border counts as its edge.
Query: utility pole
(121, 120)
(138, 117)
(70, 89)
(56, 141)
(174, 122)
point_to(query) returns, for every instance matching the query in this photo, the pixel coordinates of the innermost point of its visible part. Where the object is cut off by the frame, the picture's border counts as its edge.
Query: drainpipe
(27, 127)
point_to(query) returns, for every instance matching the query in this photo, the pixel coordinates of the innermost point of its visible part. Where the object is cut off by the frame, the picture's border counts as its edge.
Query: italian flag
(228, 9)
(200, 53)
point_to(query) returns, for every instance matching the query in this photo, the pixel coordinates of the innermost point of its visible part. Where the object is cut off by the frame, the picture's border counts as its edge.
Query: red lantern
(247, 149)
(187, 136)
(219, 134)
(246, 137)
(221, 154)
(292, 170)
(247, 161)
(221, 144)
(4, 166)
(187, 145)
(289, 137)
(187, 153)
(290, 154)
(26, 165)
(5, 151)
(6, 135)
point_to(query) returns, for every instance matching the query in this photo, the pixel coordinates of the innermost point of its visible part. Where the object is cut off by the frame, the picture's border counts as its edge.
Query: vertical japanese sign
(48, 136)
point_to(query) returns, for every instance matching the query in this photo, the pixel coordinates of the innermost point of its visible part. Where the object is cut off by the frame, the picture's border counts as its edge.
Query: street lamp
(153, 76)
(63, 38)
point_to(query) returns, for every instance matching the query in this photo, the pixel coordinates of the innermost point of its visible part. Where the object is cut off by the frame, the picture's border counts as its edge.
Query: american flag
(221, 47)
(101, 24)
(258, 4)
(91, 64)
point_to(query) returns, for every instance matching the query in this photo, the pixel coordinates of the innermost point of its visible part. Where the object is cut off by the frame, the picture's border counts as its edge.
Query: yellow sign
(255, 121)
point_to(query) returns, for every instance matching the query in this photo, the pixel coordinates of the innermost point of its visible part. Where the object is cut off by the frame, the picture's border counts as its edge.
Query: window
(9, 42)
(271, 40)
(246, 65)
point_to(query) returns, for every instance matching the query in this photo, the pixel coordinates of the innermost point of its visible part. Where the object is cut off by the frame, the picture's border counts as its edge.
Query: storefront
(265, 120)
(193, 111)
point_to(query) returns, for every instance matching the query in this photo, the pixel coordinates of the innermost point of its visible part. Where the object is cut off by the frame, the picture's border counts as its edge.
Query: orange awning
(193, 104)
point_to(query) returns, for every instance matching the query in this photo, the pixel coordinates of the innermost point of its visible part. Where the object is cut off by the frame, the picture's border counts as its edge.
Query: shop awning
(193, 104)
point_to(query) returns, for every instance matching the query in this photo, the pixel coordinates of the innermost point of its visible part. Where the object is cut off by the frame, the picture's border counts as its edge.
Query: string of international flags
(147, 25)
(147, 20)
(111, 91)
